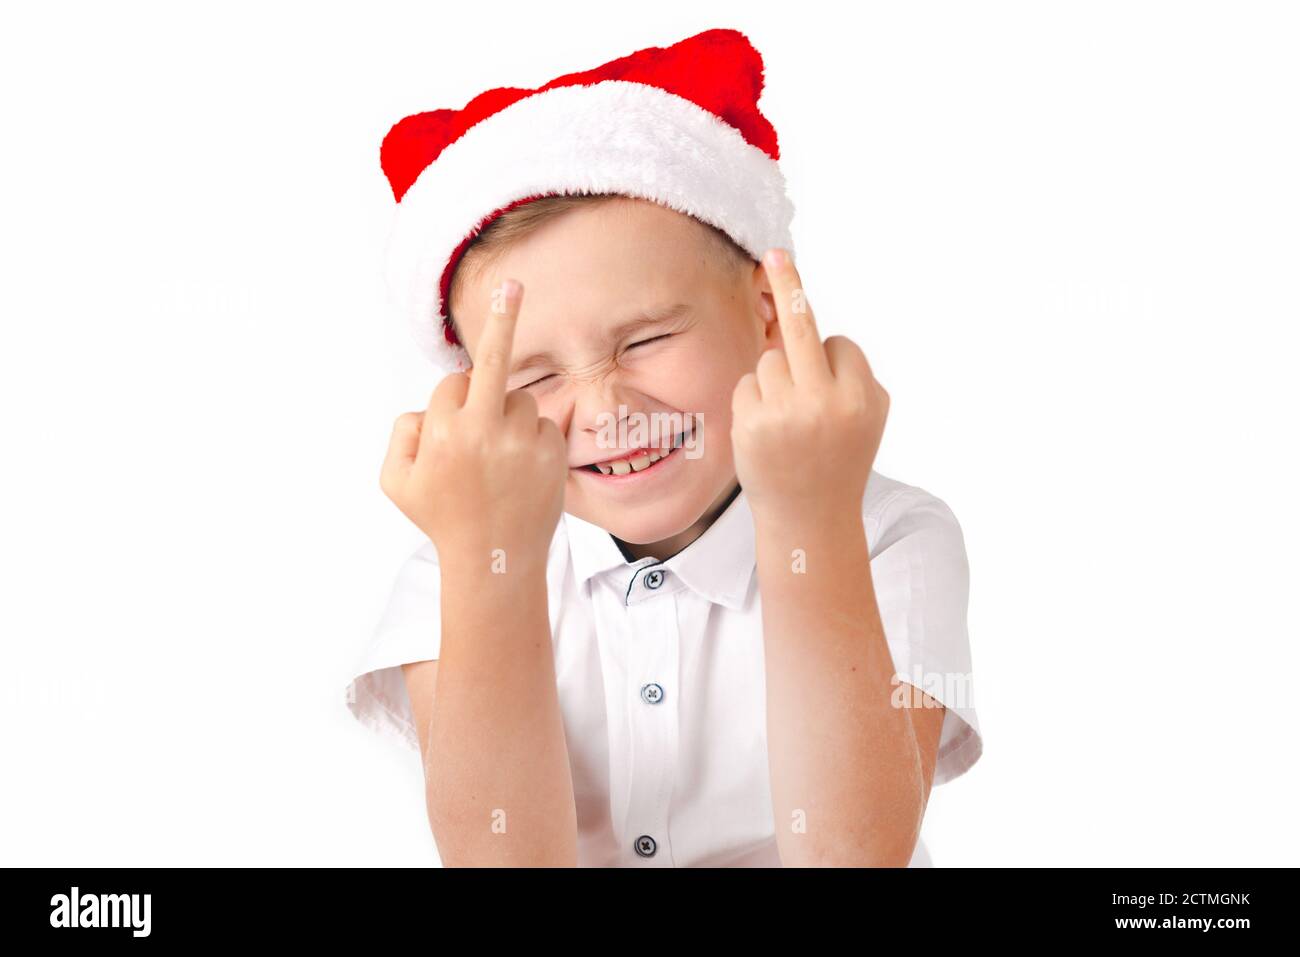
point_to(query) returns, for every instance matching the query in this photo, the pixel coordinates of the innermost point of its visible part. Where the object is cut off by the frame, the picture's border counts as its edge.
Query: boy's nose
(594, 398)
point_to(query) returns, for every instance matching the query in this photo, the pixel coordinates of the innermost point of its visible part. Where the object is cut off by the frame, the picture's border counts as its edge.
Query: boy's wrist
(492, 560)
(822, 531)
(818, 514)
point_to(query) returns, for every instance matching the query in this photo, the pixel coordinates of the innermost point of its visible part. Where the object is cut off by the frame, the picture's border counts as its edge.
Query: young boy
(667, 615)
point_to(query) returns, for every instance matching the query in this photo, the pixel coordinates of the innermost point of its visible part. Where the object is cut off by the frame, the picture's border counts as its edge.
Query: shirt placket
(651, 695)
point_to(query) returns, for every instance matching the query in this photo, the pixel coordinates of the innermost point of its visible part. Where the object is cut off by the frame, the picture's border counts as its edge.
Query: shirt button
(654, 579)
(652, 693)
(645, 846)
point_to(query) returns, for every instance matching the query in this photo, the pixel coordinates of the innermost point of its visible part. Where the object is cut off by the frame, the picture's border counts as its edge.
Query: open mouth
(643, 460)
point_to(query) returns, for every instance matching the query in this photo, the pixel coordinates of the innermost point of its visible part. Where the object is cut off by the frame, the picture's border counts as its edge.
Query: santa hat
(677, 125)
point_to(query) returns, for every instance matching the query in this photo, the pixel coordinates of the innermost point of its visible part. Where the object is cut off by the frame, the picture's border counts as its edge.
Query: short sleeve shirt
(660, 672)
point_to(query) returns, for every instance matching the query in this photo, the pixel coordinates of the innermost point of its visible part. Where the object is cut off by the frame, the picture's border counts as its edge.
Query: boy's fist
(807, 423)
(479, 469)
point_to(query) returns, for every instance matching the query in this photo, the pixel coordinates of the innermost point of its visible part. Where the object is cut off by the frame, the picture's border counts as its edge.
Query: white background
(1066, 235)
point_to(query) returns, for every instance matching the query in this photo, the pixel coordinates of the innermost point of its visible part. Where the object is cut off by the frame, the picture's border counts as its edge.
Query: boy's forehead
(602, 274)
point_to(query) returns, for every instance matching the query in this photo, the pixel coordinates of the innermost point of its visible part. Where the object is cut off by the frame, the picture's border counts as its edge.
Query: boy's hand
(479, 470)
(807, 422)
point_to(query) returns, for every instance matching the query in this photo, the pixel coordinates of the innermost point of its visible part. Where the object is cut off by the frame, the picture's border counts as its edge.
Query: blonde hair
(512, 226)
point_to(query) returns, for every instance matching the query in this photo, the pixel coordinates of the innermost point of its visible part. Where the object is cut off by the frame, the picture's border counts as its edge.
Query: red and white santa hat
(678, 125)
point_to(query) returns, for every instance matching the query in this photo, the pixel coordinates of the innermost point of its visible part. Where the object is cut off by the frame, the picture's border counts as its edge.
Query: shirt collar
(718, 565)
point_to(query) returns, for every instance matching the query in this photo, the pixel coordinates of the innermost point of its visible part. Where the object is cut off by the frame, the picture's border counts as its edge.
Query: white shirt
(661, 679)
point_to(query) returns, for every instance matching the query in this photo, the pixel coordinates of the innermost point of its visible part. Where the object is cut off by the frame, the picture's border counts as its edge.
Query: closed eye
(646, 342)
(643, 342)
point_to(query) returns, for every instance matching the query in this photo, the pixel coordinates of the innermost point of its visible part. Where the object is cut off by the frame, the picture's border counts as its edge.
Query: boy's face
(586, 275)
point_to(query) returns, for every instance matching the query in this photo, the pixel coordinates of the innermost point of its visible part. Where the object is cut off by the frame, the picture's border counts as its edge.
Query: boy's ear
(765, 305)
(771, 323)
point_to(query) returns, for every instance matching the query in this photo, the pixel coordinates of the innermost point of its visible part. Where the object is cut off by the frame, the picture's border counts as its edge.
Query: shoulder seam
(882, 507)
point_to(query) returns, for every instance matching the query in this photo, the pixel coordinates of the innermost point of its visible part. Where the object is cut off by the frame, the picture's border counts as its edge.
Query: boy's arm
(850, 768)
(482, 474)
(497, 780)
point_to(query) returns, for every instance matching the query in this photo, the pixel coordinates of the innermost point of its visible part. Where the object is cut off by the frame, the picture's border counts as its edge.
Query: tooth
(640, 462)
(605, 469)
(621, 468)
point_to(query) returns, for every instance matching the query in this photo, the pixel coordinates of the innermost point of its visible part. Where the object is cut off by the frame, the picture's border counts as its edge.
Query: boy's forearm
(847, 786)
(501, 791)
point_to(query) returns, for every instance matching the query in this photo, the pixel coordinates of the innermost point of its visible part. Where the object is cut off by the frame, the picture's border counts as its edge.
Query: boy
(710, 644)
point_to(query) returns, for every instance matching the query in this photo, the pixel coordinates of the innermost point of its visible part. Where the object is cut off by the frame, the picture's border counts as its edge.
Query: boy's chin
(641, 533)
(656, 523)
